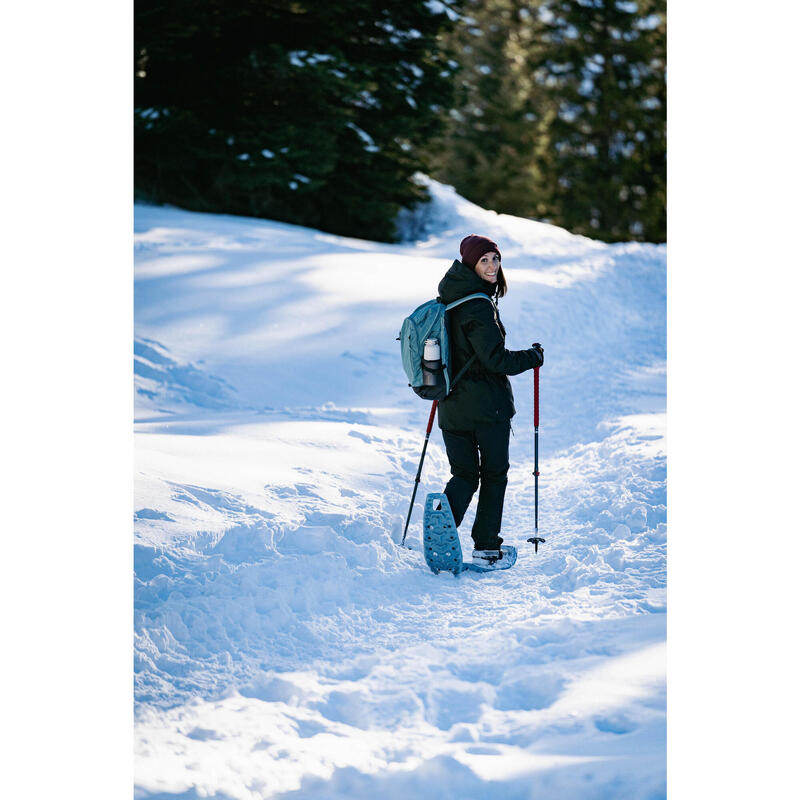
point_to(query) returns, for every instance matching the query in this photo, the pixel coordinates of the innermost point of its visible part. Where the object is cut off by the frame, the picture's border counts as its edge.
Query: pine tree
(493, 148)
(312, 113)
(604, 64)
(560, 114)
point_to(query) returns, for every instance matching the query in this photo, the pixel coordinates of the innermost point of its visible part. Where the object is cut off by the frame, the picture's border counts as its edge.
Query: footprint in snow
(484, 750)
(617, 724)
(306, 728)
(204, 735)
(529, 692)
(149, 513)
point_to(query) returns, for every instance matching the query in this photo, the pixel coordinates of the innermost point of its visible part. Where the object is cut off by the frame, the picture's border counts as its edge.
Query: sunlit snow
(285, 644)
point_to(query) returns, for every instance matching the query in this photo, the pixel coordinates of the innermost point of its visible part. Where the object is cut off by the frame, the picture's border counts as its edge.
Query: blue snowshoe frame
(440, 543)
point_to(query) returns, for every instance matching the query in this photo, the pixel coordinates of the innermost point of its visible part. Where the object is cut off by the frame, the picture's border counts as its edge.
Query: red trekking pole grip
(536, 397)
(433, 414)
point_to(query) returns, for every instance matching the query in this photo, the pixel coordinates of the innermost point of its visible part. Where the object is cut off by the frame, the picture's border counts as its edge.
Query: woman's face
(487, 266)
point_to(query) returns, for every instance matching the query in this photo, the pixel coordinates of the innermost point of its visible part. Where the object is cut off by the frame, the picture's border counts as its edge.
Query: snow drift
(285, 645)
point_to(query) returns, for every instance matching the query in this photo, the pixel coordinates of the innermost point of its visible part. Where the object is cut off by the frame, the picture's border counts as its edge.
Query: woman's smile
(487, 266)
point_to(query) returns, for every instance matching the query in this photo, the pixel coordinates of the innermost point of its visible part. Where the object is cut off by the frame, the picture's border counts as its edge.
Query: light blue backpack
(431, 380)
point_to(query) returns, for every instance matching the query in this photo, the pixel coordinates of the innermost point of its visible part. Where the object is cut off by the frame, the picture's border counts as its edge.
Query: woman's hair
(501, 287)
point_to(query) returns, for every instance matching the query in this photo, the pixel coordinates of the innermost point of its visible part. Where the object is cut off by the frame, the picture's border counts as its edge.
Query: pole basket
(535, 540)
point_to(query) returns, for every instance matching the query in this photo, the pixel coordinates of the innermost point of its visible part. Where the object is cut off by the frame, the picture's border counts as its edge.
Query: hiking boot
(486, 558)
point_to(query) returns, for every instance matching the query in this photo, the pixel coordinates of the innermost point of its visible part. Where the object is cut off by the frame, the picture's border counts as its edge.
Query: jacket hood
(460, 280)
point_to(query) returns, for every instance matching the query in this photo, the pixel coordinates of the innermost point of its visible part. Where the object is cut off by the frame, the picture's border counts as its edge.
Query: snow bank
(285, 644)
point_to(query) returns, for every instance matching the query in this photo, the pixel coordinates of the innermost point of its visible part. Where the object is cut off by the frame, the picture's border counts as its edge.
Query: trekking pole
(536, 539)
(419, 470)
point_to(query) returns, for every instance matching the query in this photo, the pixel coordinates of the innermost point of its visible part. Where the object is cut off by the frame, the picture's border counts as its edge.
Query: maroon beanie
(474, 246)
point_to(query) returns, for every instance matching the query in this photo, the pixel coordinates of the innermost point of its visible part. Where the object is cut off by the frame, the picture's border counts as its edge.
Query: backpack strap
(464, 368)
(475, 296)
(455, 303)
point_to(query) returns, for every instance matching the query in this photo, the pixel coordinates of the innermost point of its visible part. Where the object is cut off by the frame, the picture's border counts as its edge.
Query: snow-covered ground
(285, 644)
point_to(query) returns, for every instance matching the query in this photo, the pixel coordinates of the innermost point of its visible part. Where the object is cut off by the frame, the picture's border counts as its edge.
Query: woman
(476, 417)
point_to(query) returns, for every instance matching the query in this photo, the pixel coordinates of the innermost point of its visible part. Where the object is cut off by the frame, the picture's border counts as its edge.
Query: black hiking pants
(479, 457)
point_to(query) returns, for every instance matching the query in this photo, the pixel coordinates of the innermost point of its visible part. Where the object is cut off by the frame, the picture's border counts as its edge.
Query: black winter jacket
(483, 393)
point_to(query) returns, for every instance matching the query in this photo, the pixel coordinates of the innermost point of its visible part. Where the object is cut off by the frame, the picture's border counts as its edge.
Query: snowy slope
(285, 645)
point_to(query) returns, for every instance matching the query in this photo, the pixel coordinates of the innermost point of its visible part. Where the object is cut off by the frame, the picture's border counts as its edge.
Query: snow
(285, 644)
(369, 142)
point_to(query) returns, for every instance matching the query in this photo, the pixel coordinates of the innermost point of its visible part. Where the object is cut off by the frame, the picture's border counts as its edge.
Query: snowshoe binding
(491, 560)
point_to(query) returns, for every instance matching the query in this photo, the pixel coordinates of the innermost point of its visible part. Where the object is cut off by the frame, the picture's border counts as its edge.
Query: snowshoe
(442, 548)
(440, 542)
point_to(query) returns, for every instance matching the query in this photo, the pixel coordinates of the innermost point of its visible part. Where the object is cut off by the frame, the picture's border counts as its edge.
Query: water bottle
(432, 373)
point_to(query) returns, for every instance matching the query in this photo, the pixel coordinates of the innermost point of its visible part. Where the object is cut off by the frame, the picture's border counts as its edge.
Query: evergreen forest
(321, 113)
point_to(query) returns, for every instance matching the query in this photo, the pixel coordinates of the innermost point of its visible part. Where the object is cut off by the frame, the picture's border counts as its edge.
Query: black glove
(538, 353)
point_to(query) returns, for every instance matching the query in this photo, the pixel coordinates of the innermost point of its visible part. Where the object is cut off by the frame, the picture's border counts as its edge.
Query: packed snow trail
(286, 646)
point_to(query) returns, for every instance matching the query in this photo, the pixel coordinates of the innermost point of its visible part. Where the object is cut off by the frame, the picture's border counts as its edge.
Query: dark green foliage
(561, 114)
(497, 134)
(311, 113)
(606, 66)
(320, 113)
